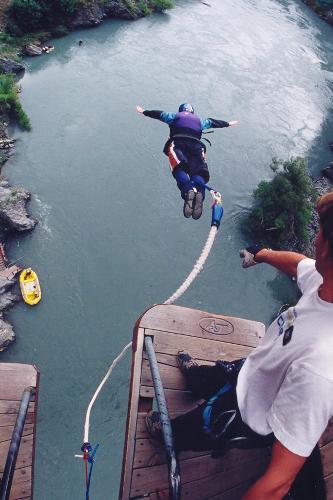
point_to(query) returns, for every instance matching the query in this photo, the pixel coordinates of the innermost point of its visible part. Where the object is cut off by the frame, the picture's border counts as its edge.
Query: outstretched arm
(275, 483)
(286, 262)
(212, 123)
(157, 114)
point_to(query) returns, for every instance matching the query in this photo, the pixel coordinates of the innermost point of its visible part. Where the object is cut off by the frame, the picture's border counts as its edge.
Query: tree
(28, 15)
(283, 206)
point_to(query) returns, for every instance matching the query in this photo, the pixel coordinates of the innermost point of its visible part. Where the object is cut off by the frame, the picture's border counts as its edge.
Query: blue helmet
(186, 107)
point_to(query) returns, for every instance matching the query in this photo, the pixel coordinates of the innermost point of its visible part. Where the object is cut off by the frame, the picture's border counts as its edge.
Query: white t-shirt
(286, 384)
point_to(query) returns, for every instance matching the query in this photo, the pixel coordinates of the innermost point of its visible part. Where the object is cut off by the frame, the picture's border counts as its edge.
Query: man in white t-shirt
(286, 384)
(284, 389)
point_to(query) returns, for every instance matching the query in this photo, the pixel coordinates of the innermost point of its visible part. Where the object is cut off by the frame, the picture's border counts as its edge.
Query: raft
(30, 287)
(208, 337)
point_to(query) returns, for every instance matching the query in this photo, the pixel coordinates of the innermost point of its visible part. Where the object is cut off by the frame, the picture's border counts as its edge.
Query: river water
(111, 238)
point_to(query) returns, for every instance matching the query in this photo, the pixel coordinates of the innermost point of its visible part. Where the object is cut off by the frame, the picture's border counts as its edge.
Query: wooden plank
(10, 418)
(13, 406)
(213, 350)
(327, 458)
(149, 452)
(196, 323)
(206, 489)
(15, 377)
(171, 360)
(176, 400)
(24, 457)
(22, 484)
(327, 436)
(172, 378)
(6, 432)
(125, 486)
(145, 480)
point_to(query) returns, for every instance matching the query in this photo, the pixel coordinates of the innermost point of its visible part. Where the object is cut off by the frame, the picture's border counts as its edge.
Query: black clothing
(226, 425)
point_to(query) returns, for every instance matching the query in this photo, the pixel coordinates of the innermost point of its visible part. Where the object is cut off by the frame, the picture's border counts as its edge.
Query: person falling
(186, 153)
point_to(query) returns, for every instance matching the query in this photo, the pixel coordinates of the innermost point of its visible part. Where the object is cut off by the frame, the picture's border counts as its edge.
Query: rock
(119, 10)
(7, 300)
(7, 334)
(331, 145)
(13, 211)
(10, 66)
(33, 50)
(328, 172)
(88, 16)
(5, 284)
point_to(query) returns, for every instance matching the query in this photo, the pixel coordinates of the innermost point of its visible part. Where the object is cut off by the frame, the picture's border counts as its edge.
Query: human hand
(248, 255)
(139, 109)
(233, 122)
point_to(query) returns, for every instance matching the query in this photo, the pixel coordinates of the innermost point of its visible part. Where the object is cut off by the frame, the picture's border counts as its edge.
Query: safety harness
(184, 136)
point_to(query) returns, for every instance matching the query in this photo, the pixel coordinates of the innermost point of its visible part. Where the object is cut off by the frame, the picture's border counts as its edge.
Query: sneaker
(154, 424)
(188, 203)
(185, 361)
(197, 206)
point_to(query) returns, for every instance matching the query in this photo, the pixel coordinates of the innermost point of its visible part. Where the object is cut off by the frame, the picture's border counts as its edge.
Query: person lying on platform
(186, 153)
(283, 392)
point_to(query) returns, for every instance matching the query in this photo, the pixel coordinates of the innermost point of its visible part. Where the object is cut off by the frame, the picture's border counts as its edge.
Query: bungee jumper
(186, 153)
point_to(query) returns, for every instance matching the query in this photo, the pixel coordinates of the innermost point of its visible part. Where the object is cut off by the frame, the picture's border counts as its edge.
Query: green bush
(162, 5)
(283, 206)
(142, 5)
(28, 16)
(9, 101)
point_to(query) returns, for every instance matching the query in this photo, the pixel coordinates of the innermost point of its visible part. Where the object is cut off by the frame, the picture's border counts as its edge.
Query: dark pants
(205, 381)
(188, 429)
(186, 182)
(188, 165)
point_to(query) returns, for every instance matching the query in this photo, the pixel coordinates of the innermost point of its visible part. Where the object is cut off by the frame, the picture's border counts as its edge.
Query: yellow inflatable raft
(30, 287)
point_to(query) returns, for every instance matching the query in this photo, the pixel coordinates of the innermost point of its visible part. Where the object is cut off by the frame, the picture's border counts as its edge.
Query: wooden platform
(14, 379)
(207, 337)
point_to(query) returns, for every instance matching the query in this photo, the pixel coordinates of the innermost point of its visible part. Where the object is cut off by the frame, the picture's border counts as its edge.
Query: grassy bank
(9, 101)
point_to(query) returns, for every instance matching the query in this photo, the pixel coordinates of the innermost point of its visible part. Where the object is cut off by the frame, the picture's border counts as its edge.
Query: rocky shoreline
(13, 218)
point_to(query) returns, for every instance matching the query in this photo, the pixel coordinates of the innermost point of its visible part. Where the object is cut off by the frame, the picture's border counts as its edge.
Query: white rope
(98, 390)
(198, 266)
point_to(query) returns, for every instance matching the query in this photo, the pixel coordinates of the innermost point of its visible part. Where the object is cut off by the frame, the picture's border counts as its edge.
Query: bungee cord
(217, 214)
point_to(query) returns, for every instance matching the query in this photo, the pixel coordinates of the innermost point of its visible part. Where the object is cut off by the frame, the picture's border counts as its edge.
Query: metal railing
(7, 478)
(173, 465)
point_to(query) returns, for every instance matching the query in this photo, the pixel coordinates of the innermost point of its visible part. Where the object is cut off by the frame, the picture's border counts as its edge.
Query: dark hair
(325, 212)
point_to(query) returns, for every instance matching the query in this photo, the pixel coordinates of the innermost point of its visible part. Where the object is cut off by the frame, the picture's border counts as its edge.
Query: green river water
(111, 238)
